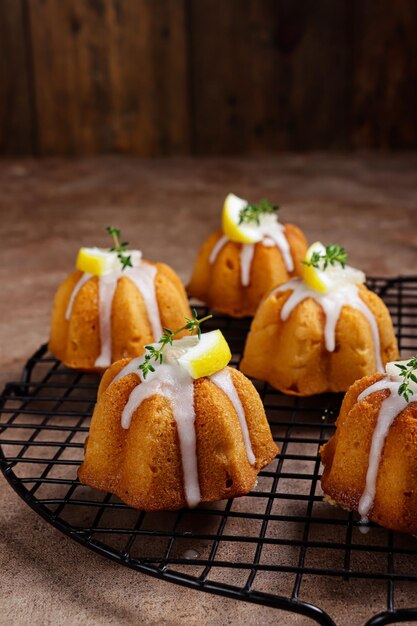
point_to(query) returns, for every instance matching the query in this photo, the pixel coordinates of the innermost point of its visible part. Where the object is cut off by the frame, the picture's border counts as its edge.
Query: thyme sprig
(333, 254)
(154, 355)
(120, 248)
(253, 212)
(407, 374)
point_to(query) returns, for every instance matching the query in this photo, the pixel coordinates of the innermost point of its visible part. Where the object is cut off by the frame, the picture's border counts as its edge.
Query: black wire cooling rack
(279, 546)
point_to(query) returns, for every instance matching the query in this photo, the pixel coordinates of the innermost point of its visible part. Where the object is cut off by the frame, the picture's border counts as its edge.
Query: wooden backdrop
(156, 77)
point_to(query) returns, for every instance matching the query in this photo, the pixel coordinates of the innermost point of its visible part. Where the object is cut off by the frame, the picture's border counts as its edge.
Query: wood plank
(110, 76)
(16, 120)
(153, 77)
(269, 74)
(384, 110)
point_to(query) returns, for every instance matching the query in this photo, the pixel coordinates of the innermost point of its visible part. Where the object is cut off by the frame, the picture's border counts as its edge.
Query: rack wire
(279, 546)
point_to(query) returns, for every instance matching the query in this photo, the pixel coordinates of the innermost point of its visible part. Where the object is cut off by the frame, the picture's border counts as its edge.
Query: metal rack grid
(260, 548)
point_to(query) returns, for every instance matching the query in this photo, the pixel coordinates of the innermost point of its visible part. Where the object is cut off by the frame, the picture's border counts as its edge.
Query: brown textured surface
(219, 284)
(300, 364)
(17, 123)
(158, 77)
(116, 76)
(48, 209)
(345, 459)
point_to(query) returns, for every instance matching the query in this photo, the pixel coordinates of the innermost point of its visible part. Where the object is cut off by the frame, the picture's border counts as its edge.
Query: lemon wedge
(96, 261)
(99, 261)
(240, 233)
(200, 357)
(314, 277)
(333, 276)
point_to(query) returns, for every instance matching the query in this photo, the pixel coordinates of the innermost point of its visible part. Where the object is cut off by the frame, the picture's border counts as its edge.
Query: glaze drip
(389, 409)
(246, 258)
(274, 235)
(175, 384)
(143, 277)
(332, 304)
(131, 368)
(223, 380)
(84, 278)
(217, 248)
(106, 288)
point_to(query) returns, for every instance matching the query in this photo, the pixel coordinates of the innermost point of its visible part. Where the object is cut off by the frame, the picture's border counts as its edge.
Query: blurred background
(206, 77)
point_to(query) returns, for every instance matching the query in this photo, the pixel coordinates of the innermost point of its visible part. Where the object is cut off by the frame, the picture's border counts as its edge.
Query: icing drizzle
(389, 409)
(246, 258)
(143, 277)
(332, 304)
(84, 278)
(274, 235)
(174, 383)
(177, 385)
(106, 288)
(224, 381)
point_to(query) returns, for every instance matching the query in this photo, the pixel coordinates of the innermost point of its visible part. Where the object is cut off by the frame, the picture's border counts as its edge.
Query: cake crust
(345, 458)
(142, 464)
(76, 342)
(219, 284)
(297, 361)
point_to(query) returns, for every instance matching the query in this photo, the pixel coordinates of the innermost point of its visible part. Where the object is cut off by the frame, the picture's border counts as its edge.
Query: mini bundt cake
(254, 253)
(321, 332)
(370, 463)
(185, 430)
(113, 306)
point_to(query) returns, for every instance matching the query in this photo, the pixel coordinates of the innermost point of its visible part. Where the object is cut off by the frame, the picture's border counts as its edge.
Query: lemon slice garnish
(96, 261)
(333, 276)
(99, 261)
(240, 233)
(314, 277)
(200, 357)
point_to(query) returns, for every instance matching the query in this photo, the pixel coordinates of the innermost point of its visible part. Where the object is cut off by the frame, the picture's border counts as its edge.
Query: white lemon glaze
(389, 409)
(143, 277)
(332, 304)
(224, 381)
(106, 288)
(246, 257)
(83, 279)
(176, 384)
(273, 235)
(217, 248)
(173, 382)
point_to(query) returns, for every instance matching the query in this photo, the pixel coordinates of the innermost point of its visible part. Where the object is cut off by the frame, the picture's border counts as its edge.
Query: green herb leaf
(407, 374)
(156, 354)
(333, 254)
(253, 212)
(120, 248)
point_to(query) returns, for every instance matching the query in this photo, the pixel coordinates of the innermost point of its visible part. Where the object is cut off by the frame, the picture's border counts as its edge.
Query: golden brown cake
(97, 320)
(305, 342)
(370, 462)
(232, 276)
(169, 440)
